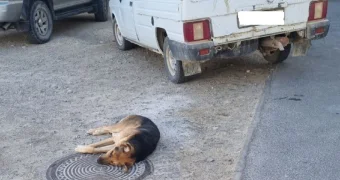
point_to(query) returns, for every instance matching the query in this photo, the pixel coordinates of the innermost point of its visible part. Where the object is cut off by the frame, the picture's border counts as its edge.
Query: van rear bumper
(183, 51)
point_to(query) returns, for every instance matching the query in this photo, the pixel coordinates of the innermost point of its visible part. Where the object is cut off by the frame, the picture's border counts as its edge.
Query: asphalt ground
(297, 133)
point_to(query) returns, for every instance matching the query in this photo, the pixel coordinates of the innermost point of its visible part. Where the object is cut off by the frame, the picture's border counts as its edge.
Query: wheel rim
(119, 36)
(171, 62)
(41, 21)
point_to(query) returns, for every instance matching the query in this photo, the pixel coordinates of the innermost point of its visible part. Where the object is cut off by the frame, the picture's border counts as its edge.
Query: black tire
(40, 23)
(278, 56)
(174, 71)
(121, 42)
(102, 13)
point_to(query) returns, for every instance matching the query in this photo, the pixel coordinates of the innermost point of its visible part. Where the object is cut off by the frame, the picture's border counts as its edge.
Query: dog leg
(84, 149)
(92, 150)
(125, 136)
(99, 131)
(104, 142)
(104, 149)
(106, 129)
(127, 122)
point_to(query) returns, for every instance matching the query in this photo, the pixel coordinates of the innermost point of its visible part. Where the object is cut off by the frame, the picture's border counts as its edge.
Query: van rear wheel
(173, 66)
(278, 56)
(121, 42)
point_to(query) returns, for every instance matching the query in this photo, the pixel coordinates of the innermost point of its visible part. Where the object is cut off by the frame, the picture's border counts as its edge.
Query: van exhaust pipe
(6, 26)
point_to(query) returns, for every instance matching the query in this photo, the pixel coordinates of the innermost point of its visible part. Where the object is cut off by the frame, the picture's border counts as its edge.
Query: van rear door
(223, 14)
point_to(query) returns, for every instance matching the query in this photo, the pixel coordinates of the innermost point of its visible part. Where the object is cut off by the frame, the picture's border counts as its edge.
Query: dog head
(120, 155)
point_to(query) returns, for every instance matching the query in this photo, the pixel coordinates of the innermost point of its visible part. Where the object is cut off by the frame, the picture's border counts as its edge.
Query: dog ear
(126, 148)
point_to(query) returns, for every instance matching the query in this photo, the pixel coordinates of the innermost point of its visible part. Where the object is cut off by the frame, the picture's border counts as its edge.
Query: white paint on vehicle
(148, 15)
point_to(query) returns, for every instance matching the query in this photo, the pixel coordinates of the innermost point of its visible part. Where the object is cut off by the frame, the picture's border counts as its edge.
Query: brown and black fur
(133, 139)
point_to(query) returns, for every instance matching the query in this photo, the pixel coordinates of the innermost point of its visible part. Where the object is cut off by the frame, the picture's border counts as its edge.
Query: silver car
(36, 16)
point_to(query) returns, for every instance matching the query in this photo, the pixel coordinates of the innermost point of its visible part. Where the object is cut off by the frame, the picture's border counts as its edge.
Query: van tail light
(318, 10)
(196, 31)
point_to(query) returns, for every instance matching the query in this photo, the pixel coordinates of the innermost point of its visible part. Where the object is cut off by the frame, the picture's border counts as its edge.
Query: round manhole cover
(85, 167)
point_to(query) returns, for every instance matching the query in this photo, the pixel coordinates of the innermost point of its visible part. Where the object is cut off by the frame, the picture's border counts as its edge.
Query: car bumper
(10, 11)
(317, 29)
(183, 51)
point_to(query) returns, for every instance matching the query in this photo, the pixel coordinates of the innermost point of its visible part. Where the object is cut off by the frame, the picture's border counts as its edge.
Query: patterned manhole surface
(85, 167)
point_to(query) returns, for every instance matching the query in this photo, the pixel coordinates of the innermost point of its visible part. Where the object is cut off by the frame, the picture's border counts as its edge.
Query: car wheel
(278, 56)
(40, 23)
(102, 13)
(122, 43)
(173, 66)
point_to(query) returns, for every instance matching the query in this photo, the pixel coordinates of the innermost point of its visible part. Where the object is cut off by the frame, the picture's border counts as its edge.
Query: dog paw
(84, 149)
(96, 132)
(91, 131)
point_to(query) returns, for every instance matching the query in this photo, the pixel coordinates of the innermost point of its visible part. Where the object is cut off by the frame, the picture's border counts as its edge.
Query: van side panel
(152, 14)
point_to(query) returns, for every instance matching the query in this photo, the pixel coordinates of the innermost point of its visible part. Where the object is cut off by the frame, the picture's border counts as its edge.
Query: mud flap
(300, 48)
(22, 26)
(191, 68)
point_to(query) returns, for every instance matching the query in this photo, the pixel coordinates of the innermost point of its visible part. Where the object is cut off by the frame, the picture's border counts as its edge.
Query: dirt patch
(51, 94)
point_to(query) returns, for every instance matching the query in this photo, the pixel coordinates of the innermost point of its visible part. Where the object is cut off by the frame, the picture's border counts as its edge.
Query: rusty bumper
(183, 51)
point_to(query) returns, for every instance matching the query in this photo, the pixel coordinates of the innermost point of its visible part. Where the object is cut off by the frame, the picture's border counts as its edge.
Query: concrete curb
(240, 166)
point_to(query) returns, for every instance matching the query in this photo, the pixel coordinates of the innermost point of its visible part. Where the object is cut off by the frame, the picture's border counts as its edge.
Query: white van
(188, 32)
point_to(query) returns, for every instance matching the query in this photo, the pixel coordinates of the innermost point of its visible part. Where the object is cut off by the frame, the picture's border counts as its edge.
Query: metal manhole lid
(85, 167)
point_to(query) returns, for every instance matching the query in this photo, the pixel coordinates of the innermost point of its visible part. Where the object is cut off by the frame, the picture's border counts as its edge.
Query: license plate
(261, 18)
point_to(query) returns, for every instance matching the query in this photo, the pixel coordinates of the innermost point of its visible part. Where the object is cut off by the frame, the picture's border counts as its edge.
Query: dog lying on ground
(133, 139)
